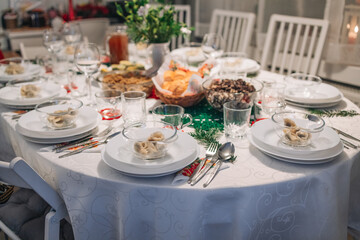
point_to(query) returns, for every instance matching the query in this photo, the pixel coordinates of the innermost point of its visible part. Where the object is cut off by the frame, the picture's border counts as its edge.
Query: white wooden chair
(294, 44)
(32, 52)
(183, 15)
(235, 27)
(19, 173)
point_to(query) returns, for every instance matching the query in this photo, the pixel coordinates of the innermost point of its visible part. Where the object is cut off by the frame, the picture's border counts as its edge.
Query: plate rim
(30, 103)
(268, 152)
(66, 133)
(317, 101)
(134, 170)
(285, 150)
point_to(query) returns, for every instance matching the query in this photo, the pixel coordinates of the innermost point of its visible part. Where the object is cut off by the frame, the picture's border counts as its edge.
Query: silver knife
(213, 172)
(205, 169)
(197, 170)
(349, 144)
(80, 144)
(345, 134)
(79, 150)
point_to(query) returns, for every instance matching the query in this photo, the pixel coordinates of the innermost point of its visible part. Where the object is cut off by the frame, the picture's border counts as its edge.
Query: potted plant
(152, 24)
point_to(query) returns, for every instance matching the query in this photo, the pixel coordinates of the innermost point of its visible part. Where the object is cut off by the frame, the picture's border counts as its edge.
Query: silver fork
(210, 152)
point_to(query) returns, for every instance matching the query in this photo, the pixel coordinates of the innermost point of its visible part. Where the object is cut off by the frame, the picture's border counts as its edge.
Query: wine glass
(72, 33)
(213, 45)
(53, 41)
(87, 60)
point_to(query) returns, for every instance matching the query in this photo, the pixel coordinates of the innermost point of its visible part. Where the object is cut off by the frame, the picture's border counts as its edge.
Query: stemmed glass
(72, 33)
(53, 41)
(213, 45)
(87, 60)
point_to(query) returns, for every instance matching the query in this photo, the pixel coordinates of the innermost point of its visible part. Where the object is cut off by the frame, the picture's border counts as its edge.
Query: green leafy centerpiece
(153, 24)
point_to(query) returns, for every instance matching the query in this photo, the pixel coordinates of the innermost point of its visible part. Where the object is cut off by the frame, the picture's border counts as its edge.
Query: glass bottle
(118, 45)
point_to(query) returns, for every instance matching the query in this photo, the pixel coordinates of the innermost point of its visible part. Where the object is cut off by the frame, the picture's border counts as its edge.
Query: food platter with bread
(181, 85)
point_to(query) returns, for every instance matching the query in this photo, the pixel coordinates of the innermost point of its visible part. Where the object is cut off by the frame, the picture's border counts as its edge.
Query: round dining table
(256, 197)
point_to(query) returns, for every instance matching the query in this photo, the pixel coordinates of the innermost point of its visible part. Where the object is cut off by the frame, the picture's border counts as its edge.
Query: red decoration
(71, 16)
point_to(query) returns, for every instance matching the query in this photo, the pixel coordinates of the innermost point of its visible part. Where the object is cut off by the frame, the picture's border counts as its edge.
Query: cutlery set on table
(216, 154)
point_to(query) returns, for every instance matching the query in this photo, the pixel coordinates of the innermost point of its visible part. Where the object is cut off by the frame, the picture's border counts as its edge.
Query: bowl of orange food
(176, 84)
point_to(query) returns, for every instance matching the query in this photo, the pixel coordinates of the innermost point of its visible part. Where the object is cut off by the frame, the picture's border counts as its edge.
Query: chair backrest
(294, 44)
(183, 14)
(235, 27)
(32, 52)
(94, 29)
(19, 173)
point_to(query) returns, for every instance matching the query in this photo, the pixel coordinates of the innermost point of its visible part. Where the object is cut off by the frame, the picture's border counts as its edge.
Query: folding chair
(19, 173)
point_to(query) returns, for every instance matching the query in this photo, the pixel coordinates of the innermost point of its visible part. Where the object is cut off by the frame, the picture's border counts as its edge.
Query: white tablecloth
(256, 198)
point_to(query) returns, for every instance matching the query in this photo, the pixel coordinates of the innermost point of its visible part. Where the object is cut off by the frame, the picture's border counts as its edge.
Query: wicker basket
(185, 101)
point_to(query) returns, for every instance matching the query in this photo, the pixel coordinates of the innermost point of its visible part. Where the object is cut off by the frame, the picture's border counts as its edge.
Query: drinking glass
(213, 45)
(87, 60)
(108, 104)
(272, 97)
(236, 119)
(53, 41)
(133, 107)
(72, 33)
(173, 114)
(77, 84)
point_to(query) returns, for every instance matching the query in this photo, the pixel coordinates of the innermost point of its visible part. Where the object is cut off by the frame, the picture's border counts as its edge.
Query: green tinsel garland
(334, 113)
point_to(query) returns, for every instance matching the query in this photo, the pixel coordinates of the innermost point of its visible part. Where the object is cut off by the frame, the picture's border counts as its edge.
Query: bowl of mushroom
(297, 129)
(149, 140)
(59, 113)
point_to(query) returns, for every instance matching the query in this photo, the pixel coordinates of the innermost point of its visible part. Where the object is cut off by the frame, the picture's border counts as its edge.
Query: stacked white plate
(324, 149)
(34, 130)
(10, 96)
(323, 95)
(190, 54)
(239, 64)
(30, 71)
(117, 154)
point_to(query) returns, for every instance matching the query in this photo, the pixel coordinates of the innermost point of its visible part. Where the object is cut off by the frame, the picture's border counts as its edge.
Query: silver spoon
(226, 151)
(223, 151)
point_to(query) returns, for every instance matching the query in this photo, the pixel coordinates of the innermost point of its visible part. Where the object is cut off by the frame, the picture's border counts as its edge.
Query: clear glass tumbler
(236, 119)
(133, 107)
(272, 97)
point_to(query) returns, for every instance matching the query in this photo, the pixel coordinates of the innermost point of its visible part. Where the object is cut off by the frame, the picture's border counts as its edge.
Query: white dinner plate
(318, 105)
(190, 54)
(11, 95)
(60, 140)
(320, 157)
(180, 154)
(240, 64)
(263, 132)
(322, 94)
(30, 70)
(31, 126)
